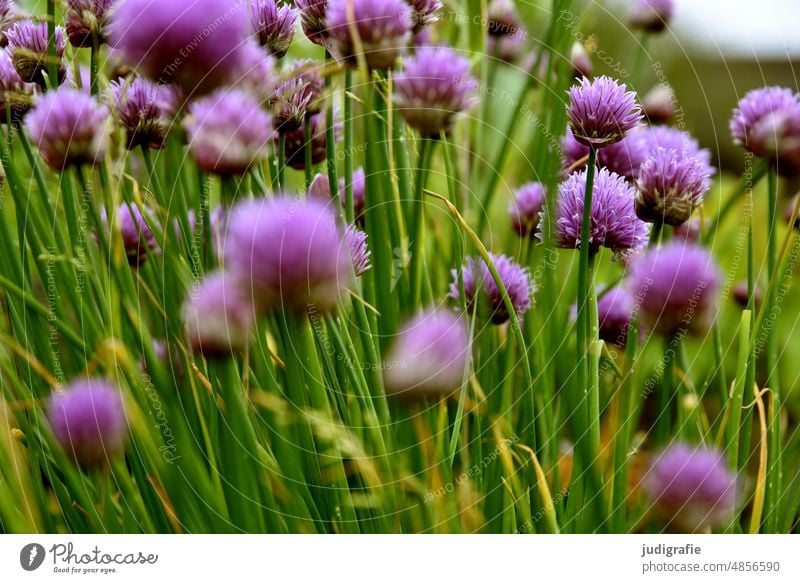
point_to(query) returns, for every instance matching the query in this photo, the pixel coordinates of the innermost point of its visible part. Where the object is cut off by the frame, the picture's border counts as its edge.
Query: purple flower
(580, 61)
(321, 190)
(69, 127)
(787, 214)
(288, 253)
(145, 110)
(613, 220)
(218, 316)
(290, 104)
(651, 15)
(88, 421)
(383, 26)
(524, 210)
(307, 71)
(626, 156)
(671, 185)
(602, 111)
(503, 18)
(13, 90)
(192, 44)
(659, 104)
(508, 47)
(295, 142)
(478, 281)
(228, 132)
(777, 137)
(27, 41)
(676, 288)
(273, 25)
(614, 315)
(434, 87)
(690, 231)
(754, 107)
(429, 357)
(86, 19)
(255, 72)
(691, 487)
(313, 16)
(359, 251)
(137, 236)
(425, 13)
(741, 293)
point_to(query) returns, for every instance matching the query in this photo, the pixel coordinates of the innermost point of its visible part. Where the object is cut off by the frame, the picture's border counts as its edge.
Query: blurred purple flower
(691, 488)
(651, 15)
(614, 315)
(218, 316)
(288, 253)
(676, 288)
(425, 13)
(580, 61)
(87, 19)
(480, 287)
(255, 72)
(658, 104)
(434, 87)
(295, 142)
(524, 210)
(69, 127)
(13, 91)
(228, 132)
(383, 26)
(359, 251)
(195, 44)
(313, 16)
(138, 239)
(429, 356)
(602, 112)
(613, 219)
(88, 421)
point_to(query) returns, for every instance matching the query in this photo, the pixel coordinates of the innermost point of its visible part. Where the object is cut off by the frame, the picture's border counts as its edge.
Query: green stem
(417, 233)
(52, 60)
(330, 135)
(281, 160)
(774, 477)
(94, 70)
(308, 159)
(348, 148)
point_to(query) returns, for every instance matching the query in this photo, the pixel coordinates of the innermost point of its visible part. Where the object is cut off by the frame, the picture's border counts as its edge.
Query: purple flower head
(602, 111)
(434, 87)
(69, 127)
(194, 44)
(526, 207)
(741, 293)
(290, 104)
(228, 132)
(659, 104)
(754, 107)
(137, 236)
(255, 72)
(313, 17)
(429, 356)
(13, 90)
(614, 315)
(671, 185)
(613, 219)
(359, 251)
(288, 253)
(27, 41)
(88, 421)
(295, 142)
(383, 27)
(218, 316)
(480, 286)
(690, 231)
(508, 47)
(272, 25)
(425, 13)
(676, 288)
(503, 18)
(320, 188)
(581, 62)
(777, 137)
(145, 110)
(307, 71)
(692, 488)
(651, 15)
(87, 19)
